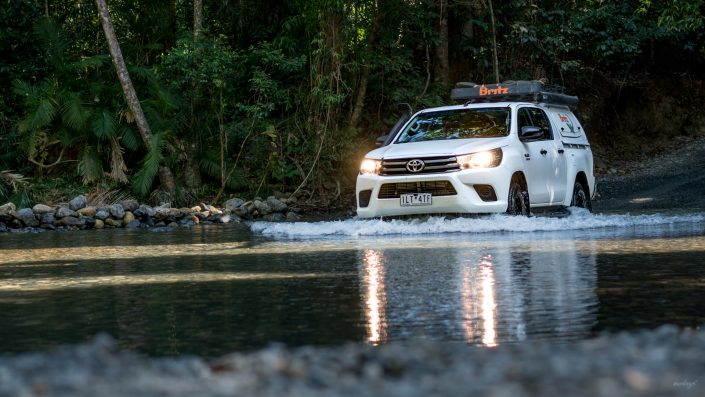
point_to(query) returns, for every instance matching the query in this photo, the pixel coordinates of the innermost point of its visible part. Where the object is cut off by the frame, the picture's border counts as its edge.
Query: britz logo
(415, 165)
(493, 91)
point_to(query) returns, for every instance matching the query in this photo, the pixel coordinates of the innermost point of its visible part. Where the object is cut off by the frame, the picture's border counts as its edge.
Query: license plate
(415, 199)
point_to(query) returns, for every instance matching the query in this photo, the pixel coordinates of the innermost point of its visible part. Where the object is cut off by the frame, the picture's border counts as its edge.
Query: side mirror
(406, 113)
(381, 140)
(530, 133)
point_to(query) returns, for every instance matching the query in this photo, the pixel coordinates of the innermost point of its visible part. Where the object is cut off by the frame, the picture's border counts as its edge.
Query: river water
(485, 281)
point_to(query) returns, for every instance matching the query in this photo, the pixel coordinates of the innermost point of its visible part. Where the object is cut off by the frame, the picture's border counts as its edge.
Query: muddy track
(673, 181)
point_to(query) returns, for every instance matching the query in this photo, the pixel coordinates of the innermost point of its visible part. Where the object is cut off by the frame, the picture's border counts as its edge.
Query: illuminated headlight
(488, 159)
(370, 166)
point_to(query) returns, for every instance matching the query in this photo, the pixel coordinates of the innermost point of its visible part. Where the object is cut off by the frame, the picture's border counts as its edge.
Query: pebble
(609, 365)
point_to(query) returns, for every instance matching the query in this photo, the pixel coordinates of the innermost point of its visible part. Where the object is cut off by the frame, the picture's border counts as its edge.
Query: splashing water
(579, 219)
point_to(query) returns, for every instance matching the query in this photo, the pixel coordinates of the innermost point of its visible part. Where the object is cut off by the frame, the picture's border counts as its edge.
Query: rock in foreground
(650, 363)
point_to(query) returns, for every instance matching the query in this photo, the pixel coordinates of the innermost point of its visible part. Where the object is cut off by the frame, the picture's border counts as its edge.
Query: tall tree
(441, 68)
(165, 175)
(197, 18)
(365, 75)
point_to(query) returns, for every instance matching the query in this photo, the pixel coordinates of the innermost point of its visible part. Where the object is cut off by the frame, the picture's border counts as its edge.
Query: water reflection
(375, 299)
(503, 292)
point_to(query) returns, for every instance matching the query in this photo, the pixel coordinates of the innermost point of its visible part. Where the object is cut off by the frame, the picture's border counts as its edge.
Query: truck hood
(450, 147)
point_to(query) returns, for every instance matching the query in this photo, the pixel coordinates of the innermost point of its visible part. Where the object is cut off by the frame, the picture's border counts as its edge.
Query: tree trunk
(165, 175)
(364, 78)
(494, 45)
(441, 70)
(197, 18)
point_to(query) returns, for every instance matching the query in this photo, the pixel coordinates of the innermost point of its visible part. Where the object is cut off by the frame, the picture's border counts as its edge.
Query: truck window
(536, 117)
(457, 124)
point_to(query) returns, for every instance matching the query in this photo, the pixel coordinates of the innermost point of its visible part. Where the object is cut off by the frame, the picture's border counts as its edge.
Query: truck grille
(432, 165)
(436, 188)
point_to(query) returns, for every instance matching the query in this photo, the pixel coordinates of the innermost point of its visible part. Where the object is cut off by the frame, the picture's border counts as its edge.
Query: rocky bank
(79, 213)
(662, 362)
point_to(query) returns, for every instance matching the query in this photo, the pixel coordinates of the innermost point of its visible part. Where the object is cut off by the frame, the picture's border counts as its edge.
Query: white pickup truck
(508, 147)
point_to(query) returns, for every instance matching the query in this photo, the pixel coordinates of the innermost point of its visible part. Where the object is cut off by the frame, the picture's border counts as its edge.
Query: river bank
(664, 361)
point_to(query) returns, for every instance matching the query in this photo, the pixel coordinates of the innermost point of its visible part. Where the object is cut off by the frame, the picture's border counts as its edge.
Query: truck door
(546, 166)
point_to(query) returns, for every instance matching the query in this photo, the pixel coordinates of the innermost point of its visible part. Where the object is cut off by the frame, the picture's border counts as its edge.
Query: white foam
(578, 219)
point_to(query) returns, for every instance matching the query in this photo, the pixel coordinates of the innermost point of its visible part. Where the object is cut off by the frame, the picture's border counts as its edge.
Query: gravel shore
(672, 180)
(662, 362)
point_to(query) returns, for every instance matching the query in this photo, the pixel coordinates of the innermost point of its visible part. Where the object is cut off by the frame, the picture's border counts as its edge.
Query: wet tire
(581, 197)
(518, 200)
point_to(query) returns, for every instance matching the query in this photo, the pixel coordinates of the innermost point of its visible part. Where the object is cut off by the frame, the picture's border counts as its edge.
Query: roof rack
(510, 91)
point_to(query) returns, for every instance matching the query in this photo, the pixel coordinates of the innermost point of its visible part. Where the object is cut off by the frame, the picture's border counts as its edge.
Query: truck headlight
(370, 166)
(487, 159)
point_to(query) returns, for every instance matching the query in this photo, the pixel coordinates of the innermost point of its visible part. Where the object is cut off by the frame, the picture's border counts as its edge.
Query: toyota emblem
(415, 165)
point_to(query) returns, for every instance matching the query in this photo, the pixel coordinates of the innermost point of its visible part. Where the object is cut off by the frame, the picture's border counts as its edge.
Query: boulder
(41, 209)
(233, 203)
(88, 222)
(129, 217)
(102, 214)
(277, 217)
(275, 204)
(99, 224)
(3, 228)
(130, 205)
(6, 218)
(89, 211)
(27, 217)
(7, 209)
(262, 207)
(62, 212)
(145, 211)
(193, 219)
(292, 216)
(196, 208)
(113, 222)
(117, 211)
(48, 218)
(133, 224)
(78, 202)
(69, 221)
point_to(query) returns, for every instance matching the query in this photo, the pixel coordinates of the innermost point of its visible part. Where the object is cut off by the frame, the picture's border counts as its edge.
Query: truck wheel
(581, 198)
(518, 201)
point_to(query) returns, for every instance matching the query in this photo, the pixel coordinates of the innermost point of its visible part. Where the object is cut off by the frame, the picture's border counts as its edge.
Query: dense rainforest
(243, 97)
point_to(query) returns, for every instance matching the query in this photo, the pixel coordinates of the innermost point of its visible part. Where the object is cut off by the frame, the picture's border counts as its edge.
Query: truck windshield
(457, 124)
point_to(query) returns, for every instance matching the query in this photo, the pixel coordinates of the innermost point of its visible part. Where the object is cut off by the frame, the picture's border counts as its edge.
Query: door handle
(561, 151)
(543, 152)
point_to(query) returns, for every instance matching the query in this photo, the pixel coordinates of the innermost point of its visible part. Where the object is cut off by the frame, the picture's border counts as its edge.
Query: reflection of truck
(508, 148)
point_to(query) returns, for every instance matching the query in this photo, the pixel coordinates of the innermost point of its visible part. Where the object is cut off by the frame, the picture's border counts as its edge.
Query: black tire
(581, 197)
(518, 200)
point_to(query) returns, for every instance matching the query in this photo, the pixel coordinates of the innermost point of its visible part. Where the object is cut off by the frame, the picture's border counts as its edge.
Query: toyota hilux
(509, 147)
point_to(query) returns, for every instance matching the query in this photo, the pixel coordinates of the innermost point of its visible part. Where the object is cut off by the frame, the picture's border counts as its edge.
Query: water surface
(484, 281)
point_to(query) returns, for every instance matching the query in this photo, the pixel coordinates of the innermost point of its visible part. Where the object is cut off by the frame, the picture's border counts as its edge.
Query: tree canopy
(249, 97)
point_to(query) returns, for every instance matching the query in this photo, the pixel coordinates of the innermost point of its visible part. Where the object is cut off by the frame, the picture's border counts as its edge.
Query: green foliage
(264, 99)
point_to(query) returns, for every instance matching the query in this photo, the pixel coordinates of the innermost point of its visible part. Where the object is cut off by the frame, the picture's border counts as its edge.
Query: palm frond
(129, 138)
(90, 167)
(54, 41)
(73, 113)
(144, 178)
(95, 61)
(101, 197)
(104, 124)
(117, 163)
